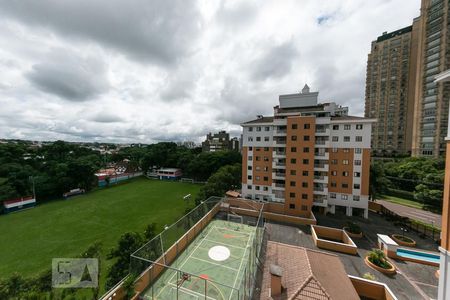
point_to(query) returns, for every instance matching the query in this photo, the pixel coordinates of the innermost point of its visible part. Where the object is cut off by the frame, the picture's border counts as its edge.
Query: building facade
(219, 142)
(308, 154)
(390, 84)
(400, 89)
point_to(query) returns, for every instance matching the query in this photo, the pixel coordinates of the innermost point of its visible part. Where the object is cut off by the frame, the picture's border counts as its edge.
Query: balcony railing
(280, 152)
(320, 153)
(320, 166)
(280, 185)
(318, 189)
(280, 174)
(320, 142)
(280, 164)
(282, 131)
(319, 177)
(280, 142)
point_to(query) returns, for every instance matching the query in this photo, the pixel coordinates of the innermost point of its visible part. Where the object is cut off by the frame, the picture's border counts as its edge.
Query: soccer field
(30, 239)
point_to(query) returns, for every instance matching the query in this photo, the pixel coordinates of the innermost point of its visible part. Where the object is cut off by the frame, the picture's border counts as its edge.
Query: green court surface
(219, 253)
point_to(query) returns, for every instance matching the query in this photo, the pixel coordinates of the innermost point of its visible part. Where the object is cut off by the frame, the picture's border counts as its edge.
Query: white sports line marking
(240, 266)
(234, 231)
(201, 259)
(212, 241)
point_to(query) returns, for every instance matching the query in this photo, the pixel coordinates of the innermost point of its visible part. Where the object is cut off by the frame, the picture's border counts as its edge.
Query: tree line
(415, 178)
(58, 167)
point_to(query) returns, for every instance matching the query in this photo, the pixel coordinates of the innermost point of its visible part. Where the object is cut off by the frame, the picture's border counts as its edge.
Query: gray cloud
(159, 31)
(276, 62)
(69, 76)
(106, 117)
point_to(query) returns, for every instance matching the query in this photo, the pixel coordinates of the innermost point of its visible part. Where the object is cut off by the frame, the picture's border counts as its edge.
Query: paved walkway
(413, 213)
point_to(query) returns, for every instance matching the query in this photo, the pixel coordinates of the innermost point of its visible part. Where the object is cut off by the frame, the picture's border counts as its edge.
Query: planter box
(395, 237)
(353, 235)
(390, 271)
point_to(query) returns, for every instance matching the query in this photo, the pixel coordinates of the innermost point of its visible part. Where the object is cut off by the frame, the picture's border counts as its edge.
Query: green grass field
(402, 201)
(30, 239)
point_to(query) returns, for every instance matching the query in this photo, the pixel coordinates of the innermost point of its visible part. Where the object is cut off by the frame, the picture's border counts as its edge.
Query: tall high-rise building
(389, 78)
(308, 154)
(431, 109)
(411, 108)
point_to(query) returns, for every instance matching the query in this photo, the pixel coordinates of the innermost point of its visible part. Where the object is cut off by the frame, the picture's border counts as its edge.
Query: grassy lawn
(402, 201)
(30, 239)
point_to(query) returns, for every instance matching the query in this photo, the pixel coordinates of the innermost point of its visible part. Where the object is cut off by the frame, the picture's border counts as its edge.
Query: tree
(128, 243)
(150, 231)
(378, 183)
(431, 198)
(226, 178)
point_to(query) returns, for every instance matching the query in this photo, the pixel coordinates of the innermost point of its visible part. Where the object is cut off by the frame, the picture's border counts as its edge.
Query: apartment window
(306, 161)
(346, 139)
(333, 184)
(294, 126)
(305, 196)
(250, 148)
(357, 162)
(306, 137)
(344, 185)
(345, 162)
(266, 148)
(305, 149)
(335, 139)
(258, 168)
(344, 197)
(292, 195)
(267, 128)
(347, 127)
(293, 161)
(334, 150)
(356, 186)
(332, 195)
(359, 126)
(266, 158)
(258, 158)
(293, 138)
(249, 177)
(304, 184)
(357, 174)
(250, 158)
(249, 167)
(258, 128)
(355, 198)
(293, 149)
(250, 129)
(266, 178)
(257, 187)
(293, 172)
(346, 150)
(292, 206)
(249, 187)
(258, 139)
(358, 150)
(266, 139)
(292, 183)
(304, 207)
(333, 173)
(335, 127)
(250, 139)
(305, 173)
(345, 173)
(258, 178)
(258, 149)
(334, 161)
(265, 188)
(306, 126)
(358, 138)
(266, 169)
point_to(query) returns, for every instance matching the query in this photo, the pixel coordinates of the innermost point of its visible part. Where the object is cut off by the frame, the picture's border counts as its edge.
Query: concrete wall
(372, 289)
(321, 235)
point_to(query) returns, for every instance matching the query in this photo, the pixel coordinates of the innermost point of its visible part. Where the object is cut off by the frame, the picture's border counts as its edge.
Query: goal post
(189, 180)
(235, 218)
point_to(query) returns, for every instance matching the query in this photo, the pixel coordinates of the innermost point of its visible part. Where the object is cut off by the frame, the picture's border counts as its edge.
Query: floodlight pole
(31, 178)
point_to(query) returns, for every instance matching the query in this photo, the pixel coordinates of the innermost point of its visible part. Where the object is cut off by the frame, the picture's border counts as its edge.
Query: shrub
(378, 258)
(369, 276)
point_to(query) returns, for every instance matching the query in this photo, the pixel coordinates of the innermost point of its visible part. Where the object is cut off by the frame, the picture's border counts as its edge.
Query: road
(413, 213)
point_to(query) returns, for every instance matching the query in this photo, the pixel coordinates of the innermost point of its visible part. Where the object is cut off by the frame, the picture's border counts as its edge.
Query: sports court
(219, 253)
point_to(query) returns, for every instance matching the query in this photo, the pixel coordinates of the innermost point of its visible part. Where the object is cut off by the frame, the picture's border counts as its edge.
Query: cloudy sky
(157, 70)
